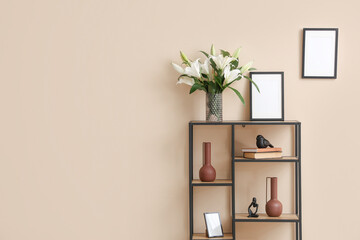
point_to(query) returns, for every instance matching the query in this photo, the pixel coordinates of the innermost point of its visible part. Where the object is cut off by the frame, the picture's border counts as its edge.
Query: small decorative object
(269, 105)
(207, 172)
(213, 76)
(262, 142)
(320, 52)
(213, 225)
(254, 205)
(273, 206)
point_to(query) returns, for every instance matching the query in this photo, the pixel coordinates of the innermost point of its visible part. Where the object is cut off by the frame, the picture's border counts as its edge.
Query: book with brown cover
(275, 149)
(260, 155)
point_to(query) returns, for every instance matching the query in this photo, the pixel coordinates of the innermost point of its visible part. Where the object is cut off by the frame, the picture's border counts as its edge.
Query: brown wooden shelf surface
(199, 236)
(263, 217)
(217, 181)
(245, 122)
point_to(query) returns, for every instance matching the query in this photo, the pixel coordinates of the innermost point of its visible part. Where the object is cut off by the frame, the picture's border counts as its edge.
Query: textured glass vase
(214, 107)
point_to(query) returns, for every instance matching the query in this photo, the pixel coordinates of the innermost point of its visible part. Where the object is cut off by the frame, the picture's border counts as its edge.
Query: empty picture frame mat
(219, 232)
(279, 95)
(312, 47)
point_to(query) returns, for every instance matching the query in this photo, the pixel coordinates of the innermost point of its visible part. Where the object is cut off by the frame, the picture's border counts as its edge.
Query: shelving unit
(242, 217)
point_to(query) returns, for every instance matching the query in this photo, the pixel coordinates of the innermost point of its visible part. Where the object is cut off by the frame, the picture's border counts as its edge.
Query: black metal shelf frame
(297, 162)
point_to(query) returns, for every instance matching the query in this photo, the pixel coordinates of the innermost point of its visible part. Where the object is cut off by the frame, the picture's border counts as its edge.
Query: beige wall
(93, 133)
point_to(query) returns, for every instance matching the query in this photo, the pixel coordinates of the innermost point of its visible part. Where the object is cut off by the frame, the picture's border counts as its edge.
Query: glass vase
(214, 107)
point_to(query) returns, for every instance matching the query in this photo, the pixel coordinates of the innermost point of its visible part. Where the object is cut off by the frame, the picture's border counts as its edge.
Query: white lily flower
(246, 67)
(186, 80)
(194, 69)
(230, 75)
(205, 68)
(221, 61)
(178, 68)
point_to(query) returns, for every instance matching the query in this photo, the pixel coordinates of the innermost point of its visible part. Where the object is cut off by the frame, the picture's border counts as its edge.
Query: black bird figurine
(256, 206)
(261, 142)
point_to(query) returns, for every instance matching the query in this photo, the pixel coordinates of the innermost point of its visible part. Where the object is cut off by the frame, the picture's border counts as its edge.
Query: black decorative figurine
(255, 205)
(261, 142)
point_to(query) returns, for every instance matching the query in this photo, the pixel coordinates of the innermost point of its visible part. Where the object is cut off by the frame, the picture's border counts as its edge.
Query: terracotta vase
(273, 206)
(207, 172)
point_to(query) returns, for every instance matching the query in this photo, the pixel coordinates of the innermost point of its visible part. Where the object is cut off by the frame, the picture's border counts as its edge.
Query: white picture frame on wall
(320, 46)
(268, 104)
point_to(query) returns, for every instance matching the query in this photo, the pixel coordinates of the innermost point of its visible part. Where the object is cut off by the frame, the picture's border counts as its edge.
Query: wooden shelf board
(263, 217)
(198, 236)
(282, 159)
(288, 122)
(198, 182)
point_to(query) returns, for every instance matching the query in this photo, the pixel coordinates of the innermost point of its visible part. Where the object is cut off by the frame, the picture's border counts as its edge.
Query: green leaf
(236, 79)
(251, 69)
(225, 53)
(238, 94)
(196, 80)
(248, 78)
(204, 76)
(213, 65)
(218, 80)
(182, 75)
(206, 54)
(214, 87)
(234, 64)
(206, 86)
(195, 87)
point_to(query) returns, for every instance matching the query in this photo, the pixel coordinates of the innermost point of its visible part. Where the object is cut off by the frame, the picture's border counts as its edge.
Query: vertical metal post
(296, 169)
(190, 179)
(296, 179)
(296, 140)
(300, 204)
(233, 178)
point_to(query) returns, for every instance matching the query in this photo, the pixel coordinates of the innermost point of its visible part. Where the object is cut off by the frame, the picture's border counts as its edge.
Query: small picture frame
(320, 47)
(268, 105)
(213, 225)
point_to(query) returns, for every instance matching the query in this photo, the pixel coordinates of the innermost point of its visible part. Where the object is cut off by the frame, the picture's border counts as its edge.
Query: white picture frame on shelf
(213, 225)
(320, 47)
(268, 105)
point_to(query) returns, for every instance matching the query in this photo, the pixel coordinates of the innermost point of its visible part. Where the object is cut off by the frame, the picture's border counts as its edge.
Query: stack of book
(259, 153)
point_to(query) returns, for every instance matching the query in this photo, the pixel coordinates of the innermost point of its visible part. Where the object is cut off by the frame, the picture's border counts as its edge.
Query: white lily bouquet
(213, 76)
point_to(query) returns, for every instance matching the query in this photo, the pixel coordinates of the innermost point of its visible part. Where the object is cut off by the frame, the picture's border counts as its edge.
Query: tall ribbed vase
(214, 107)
